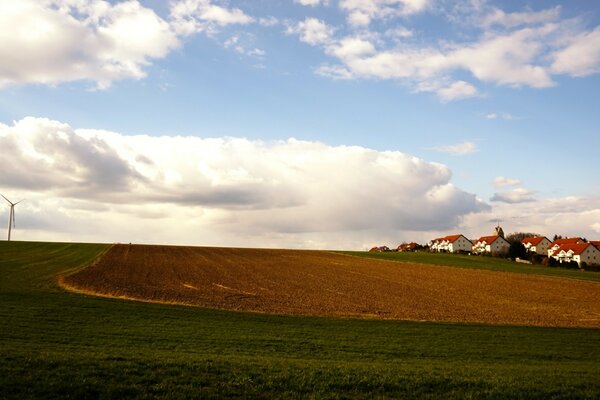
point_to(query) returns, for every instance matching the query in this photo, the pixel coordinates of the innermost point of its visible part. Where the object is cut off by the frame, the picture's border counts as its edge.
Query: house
(451, 244)
(559, 242)
(538, 244)
(579, 252)
(494, 245)
(379, 249)
(412, 246)
(596, 243)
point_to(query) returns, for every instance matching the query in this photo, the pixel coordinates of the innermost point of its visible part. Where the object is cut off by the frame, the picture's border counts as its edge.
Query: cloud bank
(282, 190)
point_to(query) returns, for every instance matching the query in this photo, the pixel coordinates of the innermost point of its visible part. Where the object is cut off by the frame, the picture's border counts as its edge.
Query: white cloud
(509, 59)
(192, 16)
(456, 91)
(362, 12)
(506, 116)
(514, 196)
(460, 149)
(55, 41)
(50, 42)
(399, 33)
(312, 3)
(580, 57)
(501, 182)
(514, 19)
(312, 31)
(567, 216)
(290, 192)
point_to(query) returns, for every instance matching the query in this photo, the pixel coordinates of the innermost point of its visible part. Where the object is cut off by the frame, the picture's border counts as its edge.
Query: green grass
(55, 344)
(476, 262)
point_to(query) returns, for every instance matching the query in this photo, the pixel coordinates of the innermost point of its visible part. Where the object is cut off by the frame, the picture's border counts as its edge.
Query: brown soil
(322, 283)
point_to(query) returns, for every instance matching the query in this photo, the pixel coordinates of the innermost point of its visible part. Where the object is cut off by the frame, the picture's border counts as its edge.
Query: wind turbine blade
(19, 202)
(14, 223)
(6, 199)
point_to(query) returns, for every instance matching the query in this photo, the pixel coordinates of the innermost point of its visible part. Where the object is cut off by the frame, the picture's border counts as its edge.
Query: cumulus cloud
(460, 149)
(501, 181)
(514, 196)
(517, 49)
(312, 31)
(233, 186)
(581, 56)
(192, 16)
(570, 216)
(457, 90)
(55, 41)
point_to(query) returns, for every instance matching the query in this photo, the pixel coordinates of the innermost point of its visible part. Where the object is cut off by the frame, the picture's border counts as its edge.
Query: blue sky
(490, 90)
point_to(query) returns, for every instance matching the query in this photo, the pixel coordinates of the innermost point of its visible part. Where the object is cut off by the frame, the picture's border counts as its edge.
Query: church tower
(498, 231)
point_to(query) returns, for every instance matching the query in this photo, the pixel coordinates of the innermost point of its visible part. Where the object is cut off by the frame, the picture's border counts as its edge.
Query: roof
(452, 238)
(488, 239)
(449, 238)
(534, 241)
(596, 243)
(560, 242)
(576, 248)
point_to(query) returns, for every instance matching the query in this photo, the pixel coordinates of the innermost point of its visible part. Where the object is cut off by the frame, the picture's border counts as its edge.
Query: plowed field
(322, 283)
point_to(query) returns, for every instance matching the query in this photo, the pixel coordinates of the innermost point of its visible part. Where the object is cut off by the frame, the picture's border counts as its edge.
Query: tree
(517, 250)
(519, 236)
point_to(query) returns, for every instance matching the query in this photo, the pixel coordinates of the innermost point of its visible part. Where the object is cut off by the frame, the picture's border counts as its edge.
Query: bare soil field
(322, 283)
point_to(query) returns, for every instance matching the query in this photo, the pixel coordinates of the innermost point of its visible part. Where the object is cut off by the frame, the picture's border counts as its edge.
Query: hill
(56, 344)
(323, 283)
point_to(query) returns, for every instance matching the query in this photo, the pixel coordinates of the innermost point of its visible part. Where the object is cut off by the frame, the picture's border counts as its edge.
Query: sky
(324, 124)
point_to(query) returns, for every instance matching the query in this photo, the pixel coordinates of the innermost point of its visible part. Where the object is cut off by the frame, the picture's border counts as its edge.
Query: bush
(517, 250)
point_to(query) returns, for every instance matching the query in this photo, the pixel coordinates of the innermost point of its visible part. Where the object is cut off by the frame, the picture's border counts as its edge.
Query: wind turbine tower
(11, 216)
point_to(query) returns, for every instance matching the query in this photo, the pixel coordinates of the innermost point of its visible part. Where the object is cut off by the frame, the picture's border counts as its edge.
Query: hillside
(56, 344)
(329, 284)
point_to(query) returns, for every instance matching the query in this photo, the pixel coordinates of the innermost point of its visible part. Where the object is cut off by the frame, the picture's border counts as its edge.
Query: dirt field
(322, 283)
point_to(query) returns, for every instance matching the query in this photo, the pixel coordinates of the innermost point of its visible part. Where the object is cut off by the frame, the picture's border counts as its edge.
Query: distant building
(498, 231)
(559, 242)
(379, 249)
(451, 244)
(494, 245)
(538, 244)
(579, 252)
(412, 246)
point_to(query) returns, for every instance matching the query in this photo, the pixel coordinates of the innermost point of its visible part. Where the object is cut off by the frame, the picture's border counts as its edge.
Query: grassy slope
(476, 262)
(57, 344)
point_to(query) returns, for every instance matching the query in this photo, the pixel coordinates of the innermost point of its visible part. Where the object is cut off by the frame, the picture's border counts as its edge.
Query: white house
(538, 244)
(578, 252)
(493, 245)
(554, 246)
(451, 244)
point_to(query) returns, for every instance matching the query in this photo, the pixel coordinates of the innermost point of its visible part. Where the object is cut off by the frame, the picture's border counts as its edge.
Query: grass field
(55, 344)
(476, 262)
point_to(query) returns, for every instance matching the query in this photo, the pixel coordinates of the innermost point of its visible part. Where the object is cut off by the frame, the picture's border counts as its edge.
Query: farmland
(323, 283)
(59, 344)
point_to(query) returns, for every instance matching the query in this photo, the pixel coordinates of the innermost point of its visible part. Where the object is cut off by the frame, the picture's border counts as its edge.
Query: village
(574, 252)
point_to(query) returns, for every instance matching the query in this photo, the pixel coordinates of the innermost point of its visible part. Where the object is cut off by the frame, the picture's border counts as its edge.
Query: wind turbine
(11, 216)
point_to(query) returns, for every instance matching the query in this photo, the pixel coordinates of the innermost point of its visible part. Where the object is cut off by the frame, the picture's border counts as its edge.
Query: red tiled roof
(596, 243)
(533, 240)
(560, 242)
(488, 239)
(452, 238)
(576, 248)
